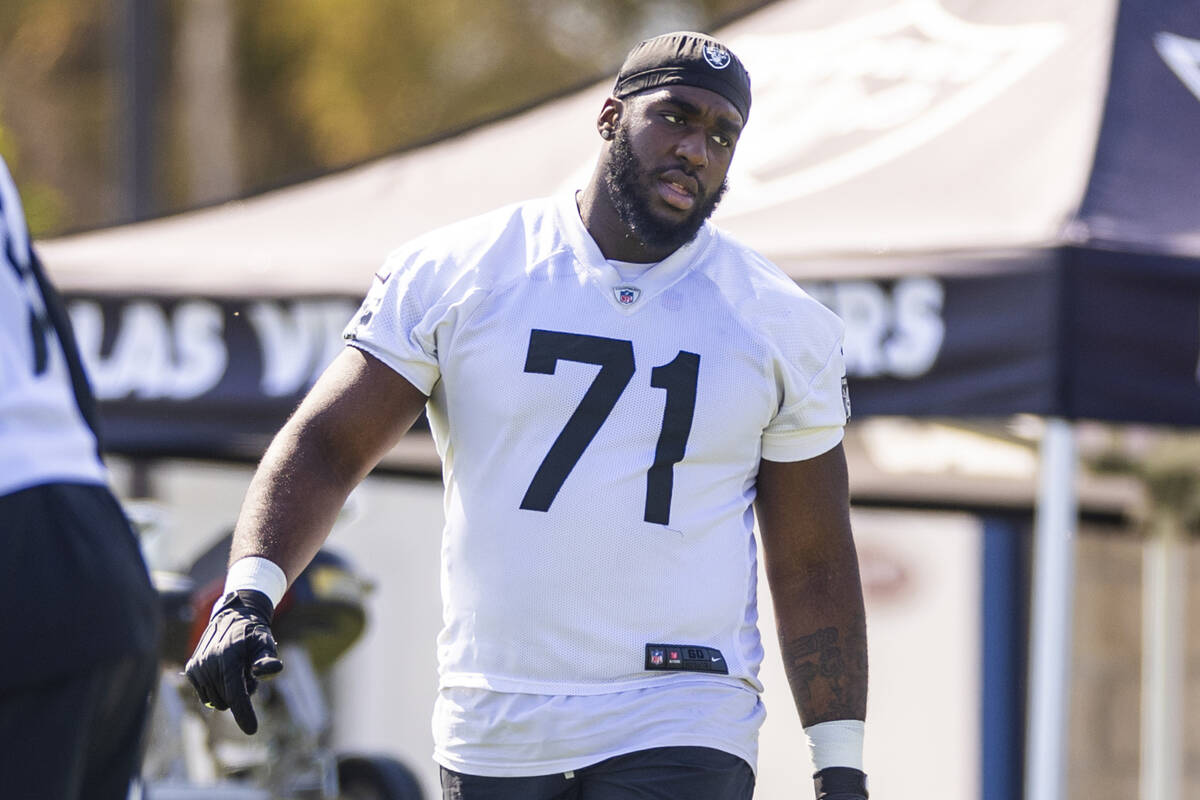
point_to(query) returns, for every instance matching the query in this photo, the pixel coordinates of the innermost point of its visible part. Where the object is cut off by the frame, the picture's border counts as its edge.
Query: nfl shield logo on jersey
(627, 295)
(656, 657)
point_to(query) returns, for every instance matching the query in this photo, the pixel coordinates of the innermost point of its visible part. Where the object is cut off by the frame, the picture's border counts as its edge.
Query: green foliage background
(320, 84)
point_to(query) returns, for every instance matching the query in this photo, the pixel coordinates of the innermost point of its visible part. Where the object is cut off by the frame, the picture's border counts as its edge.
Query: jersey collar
(592, 262)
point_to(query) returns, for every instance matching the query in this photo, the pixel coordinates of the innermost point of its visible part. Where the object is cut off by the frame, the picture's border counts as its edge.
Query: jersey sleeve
(398, 319)
(811, 374)
(427, 288)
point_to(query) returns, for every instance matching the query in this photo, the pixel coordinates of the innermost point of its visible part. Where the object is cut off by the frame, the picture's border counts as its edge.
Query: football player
(615, 386)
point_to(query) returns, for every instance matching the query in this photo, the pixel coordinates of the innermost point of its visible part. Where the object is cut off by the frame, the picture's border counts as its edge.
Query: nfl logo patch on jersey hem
(685, 658)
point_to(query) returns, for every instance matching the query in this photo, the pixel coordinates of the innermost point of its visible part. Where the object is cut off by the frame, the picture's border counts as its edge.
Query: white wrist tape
(837, 743)
(261, 574)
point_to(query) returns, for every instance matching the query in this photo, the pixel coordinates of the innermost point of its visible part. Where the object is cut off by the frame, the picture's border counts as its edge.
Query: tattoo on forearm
(828, 676)
(813, 643)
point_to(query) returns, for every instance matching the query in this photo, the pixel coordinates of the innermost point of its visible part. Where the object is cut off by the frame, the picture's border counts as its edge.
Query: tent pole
(1050, 623)
(1164, 597)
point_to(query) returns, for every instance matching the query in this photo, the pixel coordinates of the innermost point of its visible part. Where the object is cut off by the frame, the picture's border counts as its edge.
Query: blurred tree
(317, 85)
(205, 142)
(55, 109)
(333, 86)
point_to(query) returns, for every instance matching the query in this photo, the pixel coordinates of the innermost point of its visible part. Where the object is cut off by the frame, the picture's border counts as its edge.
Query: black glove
(841, 783)
(235, 650)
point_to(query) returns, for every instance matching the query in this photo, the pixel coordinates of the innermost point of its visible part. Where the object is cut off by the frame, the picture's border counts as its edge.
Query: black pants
(662, 773)
(77, 738)
(78, 644)
(73, 586)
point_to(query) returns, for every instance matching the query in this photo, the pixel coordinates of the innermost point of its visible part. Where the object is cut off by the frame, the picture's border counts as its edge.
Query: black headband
(687, 58)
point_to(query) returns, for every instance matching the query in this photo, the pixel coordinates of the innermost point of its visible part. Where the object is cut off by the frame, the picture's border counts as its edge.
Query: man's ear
(610, 118)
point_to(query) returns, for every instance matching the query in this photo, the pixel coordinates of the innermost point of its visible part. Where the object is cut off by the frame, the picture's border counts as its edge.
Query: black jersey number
(615, 359)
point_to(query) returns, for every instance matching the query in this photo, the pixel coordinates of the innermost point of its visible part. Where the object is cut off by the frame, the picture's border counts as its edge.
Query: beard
(632, 200)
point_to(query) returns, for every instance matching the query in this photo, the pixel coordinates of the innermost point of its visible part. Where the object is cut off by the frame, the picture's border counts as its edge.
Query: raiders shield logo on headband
(716, 56)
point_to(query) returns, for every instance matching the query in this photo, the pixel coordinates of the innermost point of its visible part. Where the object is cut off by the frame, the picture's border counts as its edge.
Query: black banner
(1091, 334)
(203, 376)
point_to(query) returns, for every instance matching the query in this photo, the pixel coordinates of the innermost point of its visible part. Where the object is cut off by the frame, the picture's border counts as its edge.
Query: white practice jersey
(600, 440)
(43, 436)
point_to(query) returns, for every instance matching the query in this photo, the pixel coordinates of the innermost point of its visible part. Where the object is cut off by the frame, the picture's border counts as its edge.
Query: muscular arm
(812, 568)
(354, 414)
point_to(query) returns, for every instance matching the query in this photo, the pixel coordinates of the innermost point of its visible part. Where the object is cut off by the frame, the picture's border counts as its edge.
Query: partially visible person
(80, 628)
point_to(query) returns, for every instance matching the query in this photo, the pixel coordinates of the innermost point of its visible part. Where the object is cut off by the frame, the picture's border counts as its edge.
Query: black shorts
(78, 644)
(73, 585)
(78, 738)
(661, 773)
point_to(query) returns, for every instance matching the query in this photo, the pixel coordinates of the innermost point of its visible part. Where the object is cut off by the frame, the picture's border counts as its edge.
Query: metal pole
(137, 47)
(1164, 595)
(1051, 616)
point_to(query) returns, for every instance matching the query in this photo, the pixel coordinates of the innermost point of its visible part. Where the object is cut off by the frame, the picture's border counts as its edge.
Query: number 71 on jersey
(677, 378)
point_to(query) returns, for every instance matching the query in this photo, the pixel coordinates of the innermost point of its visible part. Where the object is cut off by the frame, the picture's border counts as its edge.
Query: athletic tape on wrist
(254, 572)
(837, 743)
